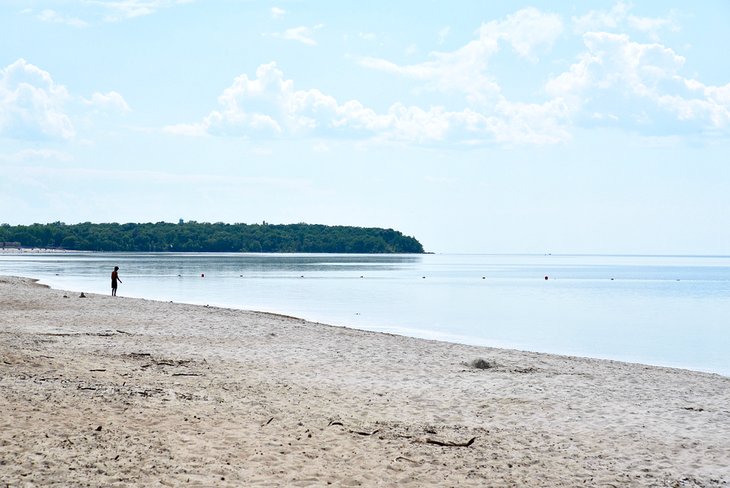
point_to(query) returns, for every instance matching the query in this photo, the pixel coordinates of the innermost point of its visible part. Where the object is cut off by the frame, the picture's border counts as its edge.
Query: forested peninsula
(206, 237)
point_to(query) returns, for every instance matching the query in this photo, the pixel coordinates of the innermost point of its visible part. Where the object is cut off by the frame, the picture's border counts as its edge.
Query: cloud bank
(34, 107)
(613, 81)
(619, 75)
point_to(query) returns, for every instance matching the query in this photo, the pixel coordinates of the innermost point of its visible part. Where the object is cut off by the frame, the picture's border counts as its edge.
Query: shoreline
(126, 391)
(427, 334)
(415, 333)
(37, 250)
(677, 361)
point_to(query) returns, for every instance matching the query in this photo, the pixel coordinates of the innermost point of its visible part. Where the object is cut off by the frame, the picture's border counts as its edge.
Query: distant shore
(118, 392)
(34, 250)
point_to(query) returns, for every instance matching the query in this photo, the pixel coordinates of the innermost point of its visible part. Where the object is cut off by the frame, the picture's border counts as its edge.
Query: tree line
(209, 237)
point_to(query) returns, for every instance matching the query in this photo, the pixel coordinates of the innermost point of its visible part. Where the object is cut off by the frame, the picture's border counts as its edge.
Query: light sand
(106, 391)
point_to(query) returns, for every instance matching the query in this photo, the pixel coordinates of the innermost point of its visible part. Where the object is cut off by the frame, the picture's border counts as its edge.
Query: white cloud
(368, 36)
(465, 70)
(54, 17)
(107, 10)
(189, 130)
(301, 34)
(641, 84)
(619, 16)
(268, 106)
(531, 123)
(32, 105)
(652, 26)
(30, 155)
(277, 12)
(110, 101)
(614, 82)
(411, 50)
(117, 10)
(614, 60)
(527, 31)
(601, 19)
(713, 104)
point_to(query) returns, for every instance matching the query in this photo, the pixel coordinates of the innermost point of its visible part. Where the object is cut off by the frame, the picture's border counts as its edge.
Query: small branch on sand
(365, 433)
(468, 443)
(268, 422)
(403, 458)
(358, 432)
(186, 374)
(165, 363)
(97, 370)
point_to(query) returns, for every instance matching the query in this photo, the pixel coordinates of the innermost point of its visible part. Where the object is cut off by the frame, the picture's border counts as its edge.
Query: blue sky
(560, 127)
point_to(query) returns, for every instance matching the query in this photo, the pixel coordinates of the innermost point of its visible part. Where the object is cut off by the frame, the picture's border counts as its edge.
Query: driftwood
(104, 333)
(468, 443)
(425, 440)
(358, 432)
(365, 433)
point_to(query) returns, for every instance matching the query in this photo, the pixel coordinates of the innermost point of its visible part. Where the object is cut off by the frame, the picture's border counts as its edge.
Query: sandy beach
(103, 391)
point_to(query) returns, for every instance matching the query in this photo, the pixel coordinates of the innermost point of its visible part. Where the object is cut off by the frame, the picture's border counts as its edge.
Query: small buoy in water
(484, 277)
(202, 275)
(546, 278)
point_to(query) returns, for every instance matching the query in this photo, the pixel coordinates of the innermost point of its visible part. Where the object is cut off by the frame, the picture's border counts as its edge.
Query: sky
(474, 126)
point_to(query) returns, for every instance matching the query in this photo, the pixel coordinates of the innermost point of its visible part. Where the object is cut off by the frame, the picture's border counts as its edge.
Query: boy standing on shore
(115, 278)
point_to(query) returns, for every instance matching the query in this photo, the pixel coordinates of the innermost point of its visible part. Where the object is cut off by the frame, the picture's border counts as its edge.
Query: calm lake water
(672, 311)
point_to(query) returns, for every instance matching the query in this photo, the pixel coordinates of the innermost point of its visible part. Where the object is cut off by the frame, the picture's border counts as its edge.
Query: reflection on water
(658, 310)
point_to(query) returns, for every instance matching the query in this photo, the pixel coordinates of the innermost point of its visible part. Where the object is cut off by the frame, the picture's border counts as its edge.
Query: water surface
(663, 310)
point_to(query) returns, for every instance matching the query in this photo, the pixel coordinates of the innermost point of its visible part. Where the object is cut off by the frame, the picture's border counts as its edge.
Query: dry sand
(103, 391)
